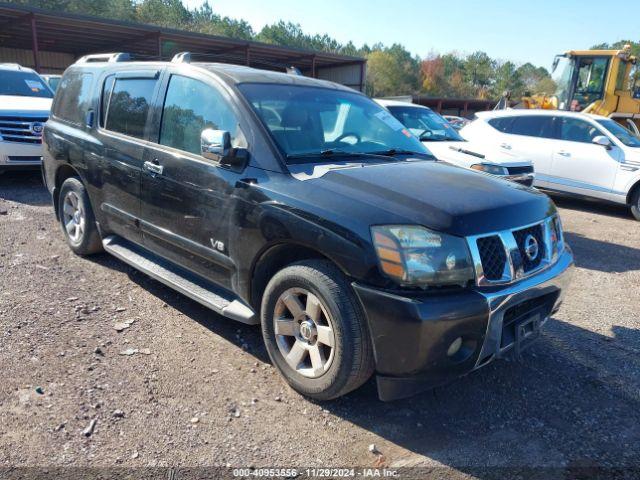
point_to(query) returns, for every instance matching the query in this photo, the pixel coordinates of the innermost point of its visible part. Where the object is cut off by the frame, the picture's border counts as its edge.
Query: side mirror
(215, 144)
(602, 141)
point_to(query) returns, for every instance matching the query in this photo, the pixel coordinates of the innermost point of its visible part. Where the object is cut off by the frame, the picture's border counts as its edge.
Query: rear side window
(73, 99)
(501, 124)
(128, 106)
(532, 126)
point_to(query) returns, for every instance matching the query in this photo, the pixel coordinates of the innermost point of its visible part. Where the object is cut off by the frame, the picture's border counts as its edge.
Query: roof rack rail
(105, 57)
(182, 57)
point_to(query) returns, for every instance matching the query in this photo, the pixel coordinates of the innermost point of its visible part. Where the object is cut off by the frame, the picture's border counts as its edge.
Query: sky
(520, 31)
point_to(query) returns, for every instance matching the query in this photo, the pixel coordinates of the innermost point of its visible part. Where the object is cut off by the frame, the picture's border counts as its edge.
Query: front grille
(492, 256)
(519, 170)
(19, 129)
(531, 262)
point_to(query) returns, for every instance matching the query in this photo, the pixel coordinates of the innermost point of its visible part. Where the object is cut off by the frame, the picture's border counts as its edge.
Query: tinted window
(307, 121)
(575, 130)
(24, 84)
(74, 98)
(129, 105)
(191, 106)
(501, 124)
(532, 126)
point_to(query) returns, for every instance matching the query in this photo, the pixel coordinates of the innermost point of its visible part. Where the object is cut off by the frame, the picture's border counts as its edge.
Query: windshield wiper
(396, 151)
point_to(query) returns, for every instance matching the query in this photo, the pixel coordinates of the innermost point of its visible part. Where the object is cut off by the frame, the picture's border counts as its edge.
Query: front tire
(635, 204)
(77, 219)
(314, 330)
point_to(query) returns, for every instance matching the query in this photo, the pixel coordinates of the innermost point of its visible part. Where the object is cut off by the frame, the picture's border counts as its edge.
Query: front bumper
(18, 155)
(411, 334)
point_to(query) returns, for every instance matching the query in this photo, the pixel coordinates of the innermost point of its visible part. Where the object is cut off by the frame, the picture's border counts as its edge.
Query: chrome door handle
(564, 153)
(153, 167)
(506, 146)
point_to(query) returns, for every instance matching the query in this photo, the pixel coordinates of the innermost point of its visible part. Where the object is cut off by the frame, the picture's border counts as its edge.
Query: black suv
(303, 206)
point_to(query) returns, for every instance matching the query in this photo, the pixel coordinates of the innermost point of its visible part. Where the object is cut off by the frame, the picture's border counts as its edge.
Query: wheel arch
(63, 172)
(276, 257)
(632, 191)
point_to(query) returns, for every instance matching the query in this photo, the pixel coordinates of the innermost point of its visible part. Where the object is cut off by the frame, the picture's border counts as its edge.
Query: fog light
(454, 347)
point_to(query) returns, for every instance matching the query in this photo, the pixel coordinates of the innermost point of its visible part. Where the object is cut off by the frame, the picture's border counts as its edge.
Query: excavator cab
(604, 82)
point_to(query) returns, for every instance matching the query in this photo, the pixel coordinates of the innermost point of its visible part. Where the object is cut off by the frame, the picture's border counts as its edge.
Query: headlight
(490, 168)
(416, 256)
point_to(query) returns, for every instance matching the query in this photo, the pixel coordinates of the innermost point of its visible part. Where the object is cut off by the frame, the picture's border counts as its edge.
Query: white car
(25, 102)
(572, 152)
(446, 144)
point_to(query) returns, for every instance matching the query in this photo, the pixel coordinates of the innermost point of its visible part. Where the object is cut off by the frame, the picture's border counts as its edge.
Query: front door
(185, 211)
(579, 165)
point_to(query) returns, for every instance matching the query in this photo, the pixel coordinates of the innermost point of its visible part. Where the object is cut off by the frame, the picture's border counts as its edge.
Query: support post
(34, 43)
(159, 39)
(247, 57)
(362, 64)
(439, 107)
(313, 67)
(465, 111)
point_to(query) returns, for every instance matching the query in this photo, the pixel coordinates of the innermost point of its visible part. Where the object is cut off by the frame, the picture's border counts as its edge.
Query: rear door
(125, 109)
(580, 166)
(529, 137)
(185, 197)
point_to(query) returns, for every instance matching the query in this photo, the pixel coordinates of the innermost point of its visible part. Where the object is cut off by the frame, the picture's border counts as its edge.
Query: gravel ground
(198, 389)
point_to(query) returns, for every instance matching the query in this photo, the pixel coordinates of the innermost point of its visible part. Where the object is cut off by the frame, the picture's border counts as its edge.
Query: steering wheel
(349, 134)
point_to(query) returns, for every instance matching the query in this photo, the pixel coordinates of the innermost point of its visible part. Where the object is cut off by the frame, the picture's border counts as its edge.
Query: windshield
(426, 124)
(23, 84)
(308, 121)
(626, 136)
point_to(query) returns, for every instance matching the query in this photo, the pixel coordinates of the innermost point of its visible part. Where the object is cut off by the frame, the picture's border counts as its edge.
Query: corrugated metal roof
(81, 34)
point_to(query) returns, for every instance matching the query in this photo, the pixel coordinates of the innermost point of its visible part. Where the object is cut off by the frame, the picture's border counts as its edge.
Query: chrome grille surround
(514, 267)
(20, 129)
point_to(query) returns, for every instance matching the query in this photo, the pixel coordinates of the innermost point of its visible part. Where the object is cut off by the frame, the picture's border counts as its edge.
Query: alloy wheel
(304, 332)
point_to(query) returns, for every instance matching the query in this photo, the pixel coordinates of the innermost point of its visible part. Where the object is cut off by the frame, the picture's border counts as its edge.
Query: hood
(450, 151)
(19, 105)
(437, 195)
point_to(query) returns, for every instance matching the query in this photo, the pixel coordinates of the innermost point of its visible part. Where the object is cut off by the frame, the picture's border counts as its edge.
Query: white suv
(443, 141)
(572, 152)
(25, 101)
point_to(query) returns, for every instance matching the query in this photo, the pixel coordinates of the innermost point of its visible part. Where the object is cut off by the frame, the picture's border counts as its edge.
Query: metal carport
(49, 41)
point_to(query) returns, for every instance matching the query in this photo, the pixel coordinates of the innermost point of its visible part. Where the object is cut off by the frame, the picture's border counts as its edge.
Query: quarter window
(129, 106)
(190, 107)
(74, 98)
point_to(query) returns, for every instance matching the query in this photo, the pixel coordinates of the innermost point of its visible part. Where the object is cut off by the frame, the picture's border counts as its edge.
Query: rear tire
(635, 204)
(322, 346)
(77, 219)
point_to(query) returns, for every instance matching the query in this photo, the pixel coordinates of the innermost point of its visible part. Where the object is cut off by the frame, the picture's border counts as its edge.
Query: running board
(187, 283)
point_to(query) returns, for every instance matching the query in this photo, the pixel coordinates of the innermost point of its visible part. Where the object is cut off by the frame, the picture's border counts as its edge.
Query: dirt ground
(197, 389)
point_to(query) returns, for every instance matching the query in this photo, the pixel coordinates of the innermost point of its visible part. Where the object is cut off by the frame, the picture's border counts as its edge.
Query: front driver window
(191, 106)
(574, 130)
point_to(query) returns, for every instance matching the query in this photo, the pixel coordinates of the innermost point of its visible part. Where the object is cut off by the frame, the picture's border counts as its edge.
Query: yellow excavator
(604, 82)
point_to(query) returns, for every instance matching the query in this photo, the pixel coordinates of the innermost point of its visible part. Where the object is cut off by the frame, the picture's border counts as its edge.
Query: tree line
(391, 70)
